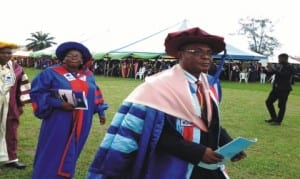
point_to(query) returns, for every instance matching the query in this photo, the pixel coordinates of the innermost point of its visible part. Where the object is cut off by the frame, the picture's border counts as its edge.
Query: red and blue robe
(62, 133)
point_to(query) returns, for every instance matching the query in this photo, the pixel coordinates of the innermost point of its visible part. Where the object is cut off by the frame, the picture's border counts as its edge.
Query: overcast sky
(113, 23)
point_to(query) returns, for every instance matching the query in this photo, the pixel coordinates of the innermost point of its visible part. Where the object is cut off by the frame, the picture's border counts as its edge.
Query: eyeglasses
(199, 53)
(73, 56)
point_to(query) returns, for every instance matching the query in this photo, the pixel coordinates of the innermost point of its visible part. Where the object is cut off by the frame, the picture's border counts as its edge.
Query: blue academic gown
(128, 150)
(62, 133)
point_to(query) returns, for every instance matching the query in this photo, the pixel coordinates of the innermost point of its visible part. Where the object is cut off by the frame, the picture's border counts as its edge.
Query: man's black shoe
(269, 120)
(275, 123)
(16, 165)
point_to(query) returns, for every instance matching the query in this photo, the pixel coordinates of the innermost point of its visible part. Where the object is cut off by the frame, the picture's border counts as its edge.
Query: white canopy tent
(22, 53)
(153, 43)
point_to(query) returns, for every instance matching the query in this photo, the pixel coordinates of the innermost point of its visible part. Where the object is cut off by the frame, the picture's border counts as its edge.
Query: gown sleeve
(100, 105)
(43, 100)
(173, 143)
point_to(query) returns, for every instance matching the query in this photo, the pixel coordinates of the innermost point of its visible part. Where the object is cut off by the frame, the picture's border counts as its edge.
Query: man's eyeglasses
(199, 53)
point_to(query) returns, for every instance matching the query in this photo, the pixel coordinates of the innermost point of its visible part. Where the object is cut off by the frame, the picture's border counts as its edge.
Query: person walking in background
(14, 94)
(169, 127)
(65, 128)
(280, 89)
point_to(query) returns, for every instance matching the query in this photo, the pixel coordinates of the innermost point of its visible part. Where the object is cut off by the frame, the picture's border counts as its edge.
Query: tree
(258, 31)
(40, 41)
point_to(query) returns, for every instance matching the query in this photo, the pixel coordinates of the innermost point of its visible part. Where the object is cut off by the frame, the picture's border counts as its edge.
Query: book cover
(234, 147)
(229, 150)
(77, 98)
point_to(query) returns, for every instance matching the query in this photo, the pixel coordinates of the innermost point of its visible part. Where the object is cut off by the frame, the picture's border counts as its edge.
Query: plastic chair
(244, 76)
(140, 73)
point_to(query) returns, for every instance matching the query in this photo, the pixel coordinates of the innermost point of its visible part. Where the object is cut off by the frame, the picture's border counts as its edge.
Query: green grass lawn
(276, 155)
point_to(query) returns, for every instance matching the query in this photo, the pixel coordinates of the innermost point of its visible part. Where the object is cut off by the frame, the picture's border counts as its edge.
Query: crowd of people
(129, 67)
(169, 126)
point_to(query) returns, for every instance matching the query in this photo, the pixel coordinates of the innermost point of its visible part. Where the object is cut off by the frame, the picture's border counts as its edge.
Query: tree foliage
(40, 41)
(259, 31)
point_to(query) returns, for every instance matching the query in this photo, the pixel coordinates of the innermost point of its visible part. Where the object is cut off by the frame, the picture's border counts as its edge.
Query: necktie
(204, 101)
(200, 96)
